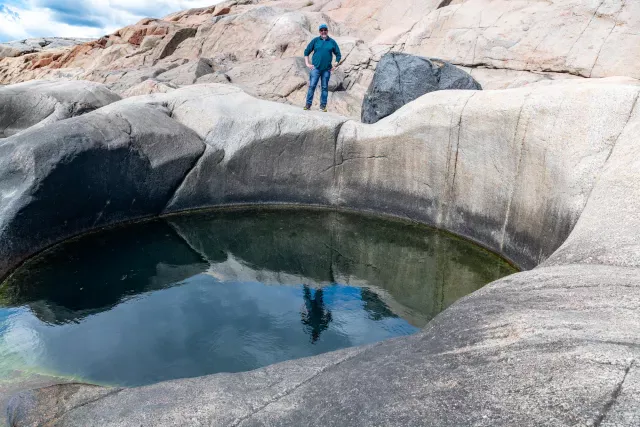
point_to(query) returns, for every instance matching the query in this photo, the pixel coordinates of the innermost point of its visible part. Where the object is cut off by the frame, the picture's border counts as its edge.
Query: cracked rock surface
(545, 175)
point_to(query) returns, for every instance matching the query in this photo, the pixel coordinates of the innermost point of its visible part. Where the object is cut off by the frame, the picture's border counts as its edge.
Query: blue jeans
(313, 82)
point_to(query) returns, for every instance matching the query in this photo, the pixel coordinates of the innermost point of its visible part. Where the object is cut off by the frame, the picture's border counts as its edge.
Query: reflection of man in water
(315, 316)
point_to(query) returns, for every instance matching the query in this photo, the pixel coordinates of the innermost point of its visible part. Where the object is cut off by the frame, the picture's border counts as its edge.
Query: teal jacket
(322, 53)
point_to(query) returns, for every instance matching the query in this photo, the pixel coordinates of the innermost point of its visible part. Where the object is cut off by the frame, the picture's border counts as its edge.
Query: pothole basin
(228, 291)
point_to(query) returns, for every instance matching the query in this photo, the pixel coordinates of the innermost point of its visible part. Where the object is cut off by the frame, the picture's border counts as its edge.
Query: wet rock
(401, 78)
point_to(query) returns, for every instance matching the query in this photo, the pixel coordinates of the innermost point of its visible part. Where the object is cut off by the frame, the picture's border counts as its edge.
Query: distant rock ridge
(257, 45)
(33, 45)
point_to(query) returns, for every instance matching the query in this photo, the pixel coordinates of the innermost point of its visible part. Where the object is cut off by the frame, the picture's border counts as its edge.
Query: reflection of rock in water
(95, 273)
(409, 271)
(376, 308)
(315, 316)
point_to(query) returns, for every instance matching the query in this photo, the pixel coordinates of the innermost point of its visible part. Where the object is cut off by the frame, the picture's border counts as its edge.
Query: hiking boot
(307, 107)
(323, 108)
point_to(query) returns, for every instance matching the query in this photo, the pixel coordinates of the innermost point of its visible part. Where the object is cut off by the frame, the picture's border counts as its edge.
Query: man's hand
(307, 63)
(335, 67)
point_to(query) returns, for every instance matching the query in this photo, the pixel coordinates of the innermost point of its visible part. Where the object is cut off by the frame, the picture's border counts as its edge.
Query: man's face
(324, 33)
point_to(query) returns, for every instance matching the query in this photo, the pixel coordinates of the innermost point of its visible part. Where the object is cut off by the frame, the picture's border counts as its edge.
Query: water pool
(228, 291)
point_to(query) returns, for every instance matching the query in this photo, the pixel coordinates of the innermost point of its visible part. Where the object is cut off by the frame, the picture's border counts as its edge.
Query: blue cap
(323, 27)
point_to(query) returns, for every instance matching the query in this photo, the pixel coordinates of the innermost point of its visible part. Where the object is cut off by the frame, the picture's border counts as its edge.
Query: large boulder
(42, 102)
(401, 78)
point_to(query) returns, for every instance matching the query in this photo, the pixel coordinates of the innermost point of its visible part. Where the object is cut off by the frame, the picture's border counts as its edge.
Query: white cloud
(20, 19)
(39, 22)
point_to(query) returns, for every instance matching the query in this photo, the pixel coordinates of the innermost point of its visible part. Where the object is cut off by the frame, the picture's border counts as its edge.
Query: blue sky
(21, 19)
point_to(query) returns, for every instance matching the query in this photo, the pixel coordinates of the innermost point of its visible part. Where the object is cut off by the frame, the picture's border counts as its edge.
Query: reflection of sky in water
(203, 326)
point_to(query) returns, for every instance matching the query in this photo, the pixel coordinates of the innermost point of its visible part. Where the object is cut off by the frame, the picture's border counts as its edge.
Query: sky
(20, 19)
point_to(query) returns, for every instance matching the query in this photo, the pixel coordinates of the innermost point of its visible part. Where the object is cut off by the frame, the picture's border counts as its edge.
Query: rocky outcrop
(401, 78)
(584, 38)
(543, 175)
(254, 148)
(22, 47)
(521, 146)
(501, 43)
(38, 103)
(186, 74)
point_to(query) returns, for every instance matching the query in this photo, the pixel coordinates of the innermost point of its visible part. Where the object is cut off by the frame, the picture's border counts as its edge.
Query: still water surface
(228, 291)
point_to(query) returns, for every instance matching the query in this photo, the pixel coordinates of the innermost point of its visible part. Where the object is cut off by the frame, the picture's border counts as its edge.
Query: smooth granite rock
(401, 78)
(186, 74)
(607, 233)
(75, 175)
(42, 102)
(255, 149)
(579, 37)
(543, 175)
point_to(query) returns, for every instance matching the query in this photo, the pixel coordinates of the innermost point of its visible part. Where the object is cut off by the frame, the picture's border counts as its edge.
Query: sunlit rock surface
(502, 43)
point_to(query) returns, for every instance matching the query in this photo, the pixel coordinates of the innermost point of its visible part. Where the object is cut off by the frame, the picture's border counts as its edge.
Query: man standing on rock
(323, 48)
